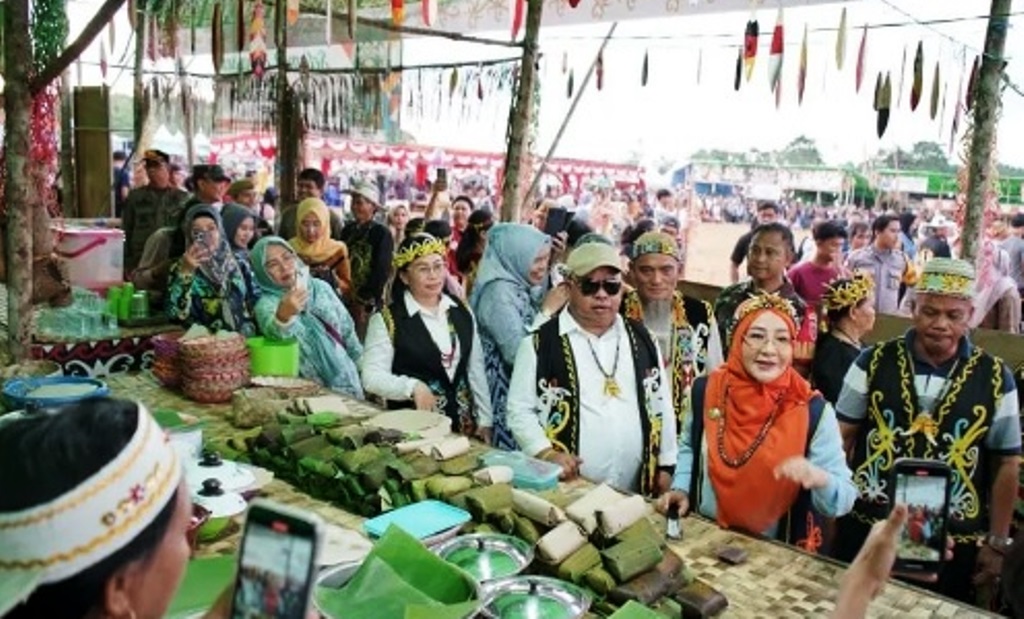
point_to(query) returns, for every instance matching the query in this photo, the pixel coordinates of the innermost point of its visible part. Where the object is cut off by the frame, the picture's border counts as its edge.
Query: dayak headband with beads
(54, 541)
(417, 247)
(844, 293)
(763, 301)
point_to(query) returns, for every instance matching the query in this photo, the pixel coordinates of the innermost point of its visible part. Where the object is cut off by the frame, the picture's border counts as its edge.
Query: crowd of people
(764, 411)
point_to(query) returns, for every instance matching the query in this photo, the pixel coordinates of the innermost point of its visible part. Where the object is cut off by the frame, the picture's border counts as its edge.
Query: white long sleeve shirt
(379, 354)
(611, 435)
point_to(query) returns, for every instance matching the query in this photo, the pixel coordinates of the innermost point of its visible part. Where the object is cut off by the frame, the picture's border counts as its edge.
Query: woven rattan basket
(213, 368)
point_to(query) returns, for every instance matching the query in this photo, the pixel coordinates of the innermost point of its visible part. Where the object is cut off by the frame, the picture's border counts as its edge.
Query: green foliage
(802, 151)
(922, 156)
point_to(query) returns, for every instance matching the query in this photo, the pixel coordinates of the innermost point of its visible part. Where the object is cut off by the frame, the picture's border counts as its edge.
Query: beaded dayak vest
(417, 355)
(954, 432)
(691, 328)
(558, 392)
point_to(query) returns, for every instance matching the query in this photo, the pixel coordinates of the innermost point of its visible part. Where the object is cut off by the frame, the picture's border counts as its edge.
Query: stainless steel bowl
(487, 556)
(534, 597)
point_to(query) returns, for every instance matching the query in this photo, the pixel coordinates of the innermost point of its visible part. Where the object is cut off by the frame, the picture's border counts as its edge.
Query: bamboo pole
(69, 203)
(521, 114)
(286, 137)
(20, 215)
(139, 101)
(986, 118)
(572, 110)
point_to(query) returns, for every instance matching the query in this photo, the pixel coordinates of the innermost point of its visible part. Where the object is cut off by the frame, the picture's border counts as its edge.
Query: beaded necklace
(719, 415)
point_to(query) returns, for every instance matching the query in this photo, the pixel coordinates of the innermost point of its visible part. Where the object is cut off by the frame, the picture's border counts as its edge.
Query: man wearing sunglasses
(588, 390)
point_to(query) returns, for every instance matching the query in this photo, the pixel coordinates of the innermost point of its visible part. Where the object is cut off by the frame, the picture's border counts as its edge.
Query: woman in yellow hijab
(326, 258)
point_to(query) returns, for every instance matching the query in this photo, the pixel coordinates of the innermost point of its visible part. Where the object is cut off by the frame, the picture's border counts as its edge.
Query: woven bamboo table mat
(776, 581)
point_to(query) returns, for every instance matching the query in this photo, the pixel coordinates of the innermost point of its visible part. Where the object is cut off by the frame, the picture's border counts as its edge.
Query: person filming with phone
(932, 395)
(208, 285)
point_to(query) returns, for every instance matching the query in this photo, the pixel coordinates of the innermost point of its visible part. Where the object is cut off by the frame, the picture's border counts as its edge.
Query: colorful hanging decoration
(861, 57)
(876, 101)
(292, 16)
(942, 114)
(778, 95)
(884, 105)
(645, 70)
(453, 83)
(217, 37)
(955, 127)
(429, 10)
(571, 84)
(599, 70)
(103, 60)
(240, 37)
(934, 110)
(574, 3)
(917, 86)
(257, 40)
(972, 84)
(801, 77)
(841, 41)
(517, 15)
(903, 75)
(738, 79)
(397, 12)
(111, 36)
(193, 17)
(750, 46)
(132, 15)
(775, 55)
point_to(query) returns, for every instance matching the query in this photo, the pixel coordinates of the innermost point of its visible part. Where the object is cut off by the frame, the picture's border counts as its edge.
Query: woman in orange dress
(761, 452)
(326, 258)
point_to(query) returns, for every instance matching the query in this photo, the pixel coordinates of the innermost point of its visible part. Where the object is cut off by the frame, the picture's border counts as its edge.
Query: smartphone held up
(924, 487)
(277, 563)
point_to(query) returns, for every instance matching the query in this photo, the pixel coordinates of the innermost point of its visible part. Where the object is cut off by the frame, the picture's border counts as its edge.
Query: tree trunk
(140, 103)
(521, 115)
(60, 64)
(20, 214)
(986, 117)
(287, 137)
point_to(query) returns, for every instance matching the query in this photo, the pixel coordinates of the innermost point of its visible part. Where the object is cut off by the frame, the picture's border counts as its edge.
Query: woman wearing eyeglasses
(761, 452)
(423, 350)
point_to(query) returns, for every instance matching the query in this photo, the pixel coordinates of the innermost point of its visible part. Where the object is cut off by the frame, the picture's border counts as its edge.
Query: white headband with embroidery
(51, 542)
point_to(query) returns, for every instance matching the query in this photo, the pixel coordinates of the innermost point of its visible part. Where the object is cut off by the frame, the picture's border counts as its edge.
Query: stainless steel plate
(487, 556)
(534, 597)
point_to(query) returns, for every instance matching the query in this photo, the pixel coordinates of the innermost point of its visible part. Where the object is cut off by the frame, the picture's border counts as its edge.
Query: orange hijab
(748, 496)
(325, 248)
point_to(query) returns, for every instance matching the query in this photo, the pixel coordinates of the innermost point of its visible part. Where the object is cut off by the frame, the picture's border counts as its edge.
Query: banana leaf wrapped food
(560, 542)
(579, 563)
(641, 529)
(652, 585)
(421, 464)
(444, 486)
(504, 521)
(485, 501)
(460, 465)
(622, 514)
(324, 421)
(398, 496)
(309, 446)
(352, 461)
(628, 559)
(293, 433)
(536, 508)
(525, 529)
(598, 580)
(584, 510)
(347, 437)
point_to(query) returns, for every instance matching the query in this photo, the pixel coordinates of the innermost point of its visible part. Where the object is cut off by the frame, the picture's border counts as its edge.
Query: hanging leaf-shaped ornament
(570, 85)
(841, 41)
(972, 84)
(778, 95)
(151, 36)
(775, 55)
(876, 101)
(574, 3)
(111, 36)
(917, 86)
(600, 70)
(903, 75)
(292, 14)
(517, 15)
(429, 11)
(801, 77)
(78, 72)
(217, 37)
(738, 78)
(397, 12)
(103, 59)
(453, 83)
(193, 18)
(942, 114)
(885, 103)
(644, 70)
(934, 111)
(700, 64)
(353, 16)
(750, 34)
(257, 40)
(565, 62)
(480, 86)
(861, 57)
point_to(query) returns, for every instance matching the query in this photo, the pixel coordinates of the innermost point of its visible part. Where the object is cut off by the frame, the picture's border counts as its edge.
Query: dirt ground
(707, 259)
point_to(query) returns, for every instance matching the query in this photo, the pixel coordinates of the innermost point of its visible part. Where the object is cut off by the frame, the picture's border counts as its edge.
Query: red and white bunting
(429, 11)
(517, 14)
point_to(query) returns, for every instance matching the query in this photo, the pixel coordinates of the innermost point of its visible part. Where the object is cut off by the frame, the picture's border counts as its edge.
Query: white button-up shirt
(611, 435)
(379, 355)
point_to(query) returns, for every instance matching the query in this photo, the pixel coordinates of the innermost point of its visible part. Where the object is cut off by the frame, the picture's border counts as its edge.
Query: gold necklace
(611, 386)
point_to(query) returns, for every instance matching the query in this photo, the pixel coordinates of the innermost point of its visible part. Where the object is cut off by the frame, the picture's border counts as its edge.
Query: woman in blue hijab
(295, 305)
(507, 299)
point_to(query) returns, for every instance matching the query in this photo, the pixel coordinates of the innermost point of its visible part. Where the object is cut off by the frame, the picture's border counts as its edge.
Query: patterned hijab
(222, 264)
(511, 249)
(258, 258)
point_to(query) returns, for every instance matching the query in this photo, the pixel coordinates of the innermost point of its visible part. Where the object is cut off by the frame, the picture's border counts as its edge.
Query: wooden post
(20, 215)
(286, 136)
(139, 101)
(521, 114)
(986, 117)
(186, 115)
(69, 203)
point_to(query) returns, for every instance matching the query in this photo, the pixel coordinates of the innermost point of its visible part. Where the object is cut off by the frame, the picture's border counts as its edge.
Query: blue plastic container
(527, 472)
(18, 391)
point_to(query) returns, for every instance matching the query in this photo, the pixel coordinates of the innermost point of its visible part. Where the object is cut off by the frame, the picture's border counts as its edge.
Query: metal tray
(487, 556)
(534, 597)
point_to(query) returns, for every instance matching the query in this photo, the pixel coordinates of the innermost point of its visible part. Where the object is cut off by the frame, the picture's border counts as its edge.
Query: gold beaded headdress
(417, 247)
(847, 292)
(763, 301)
(947, 277)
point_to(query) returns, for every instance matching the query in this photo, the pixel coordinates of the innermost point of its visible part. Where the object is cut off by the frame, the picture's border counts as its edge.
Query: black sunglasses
(589, 287)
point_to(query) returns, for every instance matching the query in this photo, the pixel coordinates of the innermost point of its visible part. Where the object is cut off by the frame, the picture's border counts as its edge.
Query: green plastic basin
(273, 357)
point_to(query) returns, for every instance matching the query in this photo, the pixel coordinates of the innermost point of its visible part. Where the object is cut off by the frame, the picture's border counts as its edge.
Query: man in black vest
(932, 394)
(588, 390)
